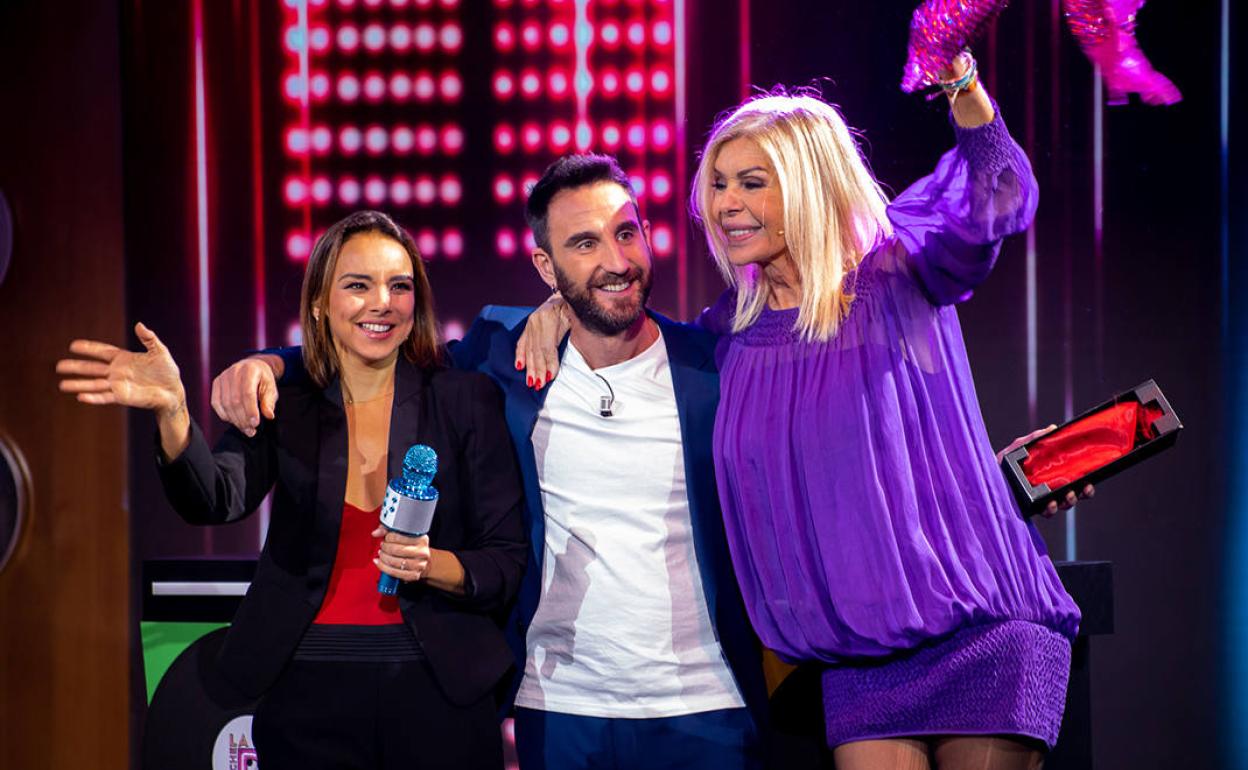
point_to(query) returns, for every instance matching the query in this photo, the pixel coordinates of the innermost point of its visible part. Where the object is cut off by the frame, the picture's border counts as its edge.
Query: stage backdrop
(250, 126)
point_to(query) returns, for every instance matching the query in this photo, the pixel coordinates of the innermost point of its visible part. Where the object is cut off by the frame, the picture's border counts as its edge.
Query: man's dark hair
(568, 173)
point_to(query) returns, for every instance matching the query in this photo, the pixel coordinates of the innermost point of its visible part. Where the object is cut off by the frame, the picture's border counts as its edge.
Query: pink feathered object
(939, 30)
(1105, 30)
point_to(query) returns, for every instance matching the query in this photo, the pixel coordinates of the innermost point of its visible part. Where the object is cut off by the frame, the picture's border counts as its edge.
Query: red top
(352, 597)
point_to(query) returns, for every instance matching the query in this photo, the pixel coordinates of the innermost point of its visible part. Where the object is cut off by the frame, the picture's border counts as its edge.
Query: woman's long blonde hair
(834, 210)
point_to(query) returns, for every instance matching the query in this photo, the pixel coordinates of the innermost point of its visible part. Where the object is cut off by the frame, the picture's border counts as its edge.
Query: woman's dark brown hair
(320, 357)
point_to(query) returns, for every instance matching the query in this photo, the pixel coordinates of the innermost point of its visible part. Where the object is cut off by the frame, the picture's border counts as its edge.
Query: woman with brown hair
(350, 677)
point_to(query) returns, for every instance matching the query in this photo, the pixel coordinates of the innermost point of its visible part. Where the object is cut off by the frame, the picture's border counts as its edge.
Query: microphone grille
(422, 460)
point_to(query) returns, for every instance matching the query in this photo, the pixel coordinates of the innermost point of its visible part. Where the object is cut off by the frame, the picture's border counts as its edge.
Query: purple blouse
(864, 507)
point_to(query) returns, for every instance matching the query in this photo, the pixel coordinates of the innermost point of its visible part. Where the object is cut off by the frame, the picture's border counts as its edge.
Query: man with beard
(634, 640)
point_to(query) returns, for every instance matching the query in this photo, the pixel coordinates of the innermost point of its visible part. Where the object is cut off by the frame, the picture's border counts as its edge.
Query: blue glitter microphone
(410, 501)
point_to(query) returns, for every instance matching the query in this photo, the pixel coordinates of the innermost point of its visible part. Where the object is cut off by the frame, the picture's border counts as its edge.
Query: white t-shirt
(622, 627)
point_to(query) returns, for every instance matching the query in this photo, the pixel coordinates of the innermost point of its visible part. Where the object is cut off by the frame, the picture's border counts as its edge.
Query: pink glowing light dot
(453, 244)
(636, 136)
(322, 190)
(504, 37)
(504, 85)
(298, 246)
(504, 139)
(322, 140)
(426, 139)
(584, 136)
(374, 190)
(427, 243)
(558, 83)
(530, 243)
(294, 334)
(425, 87)
(527, 182)
(375, 140)
(320, 86)
(505, 243)
(663, 241)
(636, 34)
(374, 87)
(451, 37)
(400, 191)
(403, 139)
(294, 40)
(531, 137)
(530, 83)
(610, 81)
(638, 183)
(350, 139)
(660, 187)
(449, 3)
(348, 191)
(348, 87)
(611, 135)
(426, 190)
(423, 3)
(635, 82)
(610, 34)
(661, 135)
(318, 39)
(398, 3)
(662, 33)
(400, 37)
(348, 38)
(297, 141)
(531, 35)
(504, 189)
(374, 37)
(293, 87)
(560, 136)
(400, 86)
(426, 37)
(341, 3)
(295, 191)
(450, 190)
(661, 81)
(372, 3)
(559, 35)
(452, 139)
(451, 86)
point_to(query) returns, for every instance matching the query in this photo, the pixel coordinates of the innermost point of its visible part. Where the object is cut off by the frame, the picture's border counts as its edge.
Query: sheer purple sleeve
(951, 222)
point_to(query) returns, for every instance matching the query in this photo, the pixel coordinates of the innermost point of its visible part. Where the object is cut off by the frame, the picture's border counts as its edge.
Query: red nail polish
(548, 375)
(530, 381)
(519, 365)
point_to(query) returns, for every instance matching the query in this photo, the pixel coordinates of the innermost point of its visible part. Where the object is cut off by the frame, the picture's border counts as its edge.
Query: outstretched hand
(1054, 506)
(537, 350)
(107, 374)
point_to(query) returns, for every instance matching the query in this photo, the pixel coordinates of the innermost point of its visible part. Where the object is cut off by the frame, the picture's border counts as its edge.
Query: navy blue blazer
(489, 347)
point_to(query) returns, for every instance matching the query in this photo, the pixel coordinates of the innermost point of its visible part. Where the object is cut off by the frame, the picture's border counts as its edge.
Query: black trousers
(371, 716)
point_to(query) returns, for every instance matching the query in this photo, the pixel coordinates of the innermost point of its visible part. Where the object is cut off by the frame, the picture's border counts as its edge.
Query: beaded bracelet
(968, 82)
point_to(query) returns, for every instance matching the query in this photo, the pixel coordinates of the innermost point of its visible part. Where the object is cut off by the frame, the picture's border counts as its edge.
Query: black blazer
(304, 453)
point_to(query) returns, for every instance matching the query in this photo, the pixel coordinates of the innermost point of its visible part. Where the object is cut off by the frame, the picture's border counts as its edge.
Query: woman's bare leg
(986, 752)
(885, 754)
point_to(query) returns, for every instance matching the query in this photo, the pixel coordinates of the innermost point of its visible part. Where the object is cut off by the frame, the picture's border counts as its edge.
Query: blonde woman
(348, 677)
(869, 524)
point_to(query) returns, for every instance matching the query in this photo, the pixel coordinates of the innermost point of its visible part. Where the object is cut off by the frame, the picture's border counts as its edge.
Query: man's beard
(595, 316)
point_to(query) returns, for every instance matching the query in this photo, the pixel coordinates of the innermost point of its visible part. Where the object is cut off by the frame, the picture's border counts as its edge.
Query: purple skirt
(1007, 678)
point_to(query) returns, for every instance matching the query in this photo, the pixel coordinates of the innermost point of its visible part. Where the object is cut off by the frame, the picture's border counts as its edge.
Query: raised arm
(106, 374)
(951, 222)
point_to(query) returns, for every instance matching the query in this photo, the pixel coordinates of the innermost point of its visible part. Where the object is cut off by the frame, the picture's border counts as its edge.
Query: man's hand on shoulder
(247, 390)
